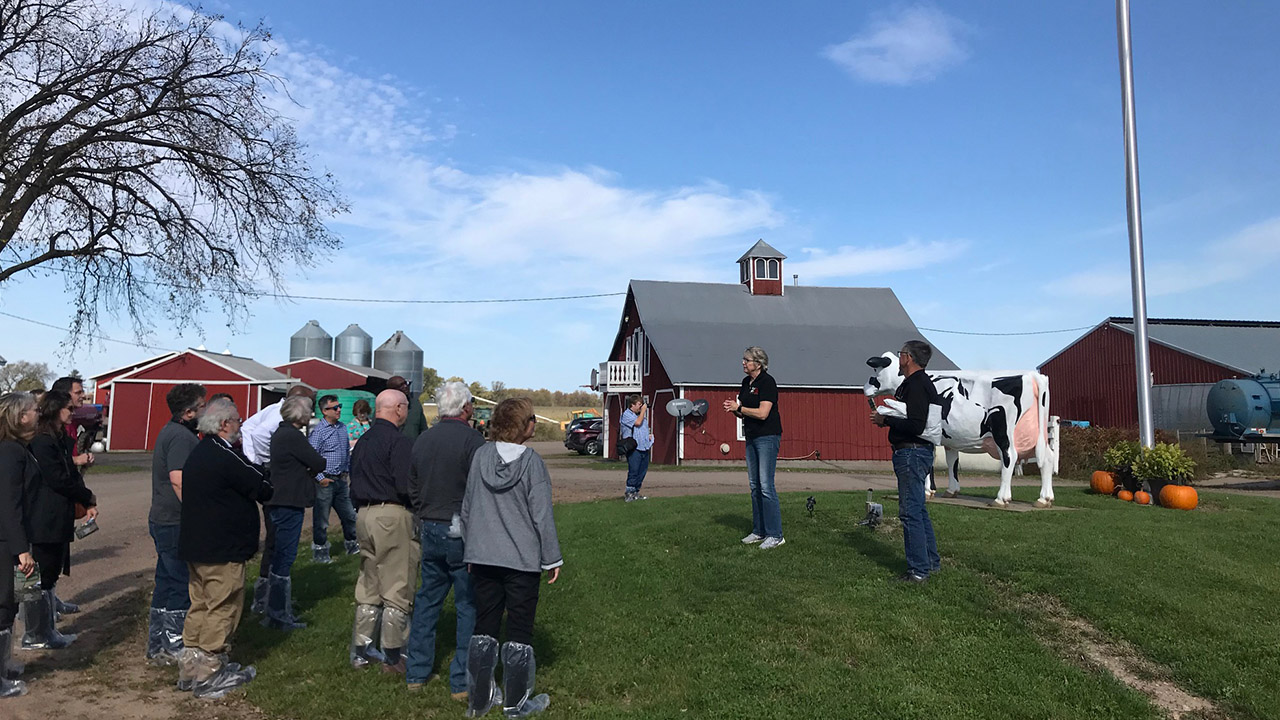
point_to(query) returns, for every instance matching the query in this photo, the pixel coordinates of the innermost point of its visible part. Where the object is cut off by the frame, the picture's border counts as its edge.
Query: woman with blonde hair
(18, 472)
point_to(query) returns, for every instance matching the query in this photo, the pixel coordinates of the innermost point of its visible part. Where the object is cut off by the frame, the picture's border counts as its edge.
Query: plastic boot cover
(155, 639)
(395, 628)
(518, 669)
(10, 669)
(259, 596)
(40, 632)
(196, 666)
(364, 636)
(482, 662)
(173, 622)
(8, 687)
(320, 554)
(229, 677)
(352, 547)
(65, 608)
(280, 604)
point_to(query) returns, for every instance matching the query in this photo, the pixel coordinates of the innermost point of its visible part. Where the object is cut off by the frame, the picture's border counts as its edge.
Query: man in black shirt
(912, 459)
(438, 479)
(389, 551)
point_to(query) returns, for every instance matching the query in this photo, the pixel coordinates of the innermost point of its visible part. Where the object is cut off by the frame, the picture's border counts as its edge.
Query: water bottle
(87, 528)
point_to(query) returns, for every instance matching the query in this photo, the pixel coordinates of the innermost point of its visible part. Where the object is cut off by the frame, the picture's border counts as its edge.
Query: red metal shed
(1095, 377)
(333, 375)
(137, 408)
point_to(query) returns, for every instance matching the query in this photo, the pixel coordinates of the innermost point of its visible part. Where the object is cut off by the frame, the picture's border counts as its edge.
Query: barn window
(767, 269)
(774, 265)
(645, 360)
(745, 267)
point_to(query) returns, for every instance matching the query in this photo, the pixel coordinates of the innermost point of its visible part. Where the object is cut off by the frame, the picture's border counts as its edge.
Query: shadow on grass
(733, 521)
(876, 548)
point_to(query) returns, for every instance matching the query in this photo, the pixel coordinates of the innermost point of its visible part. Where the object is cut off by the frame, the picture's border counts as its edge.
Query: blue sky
(968, 155)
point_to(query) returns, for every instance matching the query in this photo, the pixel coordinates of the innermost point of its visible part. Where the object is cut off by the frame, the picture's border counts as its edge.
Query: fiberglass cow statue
(1003, 414)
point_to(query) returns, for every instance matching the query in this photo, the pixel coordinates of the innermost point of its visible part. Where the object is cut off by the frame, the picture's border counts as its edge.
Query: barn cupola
(761, 269)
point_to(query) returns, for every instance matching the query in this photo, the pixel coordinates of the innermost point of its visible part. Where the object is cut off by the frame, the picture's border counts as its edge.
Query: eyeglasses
(333, 407)
(532, 419)
(747, 360)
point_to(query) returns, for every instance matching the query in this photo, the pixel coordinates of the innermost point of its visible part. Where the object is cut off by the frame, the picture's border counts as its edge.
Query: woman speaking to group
(757, 405)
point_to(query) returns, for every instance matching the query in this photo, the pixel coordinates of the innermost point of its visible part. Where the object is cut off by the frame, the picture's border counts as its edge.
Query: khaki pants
(217, 600)
(389, 556)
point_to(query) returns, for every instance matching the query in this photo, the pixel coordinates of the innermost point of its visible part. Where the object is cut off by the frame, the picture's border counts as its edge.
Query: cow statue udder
(1003, 414)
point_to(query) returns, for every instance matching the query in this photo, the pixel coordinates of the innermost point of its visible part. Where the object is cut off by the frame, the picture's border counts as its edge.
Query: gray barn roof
(815, 336)
(762, 249)
(1244, 346)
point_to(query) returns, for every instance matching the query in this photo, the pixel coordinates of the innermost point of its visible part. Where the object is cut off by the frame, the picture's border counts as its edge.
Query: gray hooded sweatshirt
(506, 513)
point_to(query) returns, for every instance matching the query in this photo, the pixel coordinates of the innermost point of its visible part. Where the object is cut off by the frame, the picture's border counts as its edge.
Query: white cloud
(848, 261)
(1234, 258)
(914, 45)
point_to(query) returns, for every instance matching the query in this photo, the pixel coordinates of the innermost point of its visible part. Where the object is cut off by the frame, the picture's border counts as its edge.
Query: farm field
(661, 612)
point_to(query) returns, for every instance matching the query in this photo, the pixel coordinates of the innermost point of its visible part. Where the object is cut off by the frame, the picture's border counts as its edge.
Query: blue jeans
(337, 495)
(637, 466)
(912, 465)
(171, 571)
(442, 567)
(288, 522)
(762, 460)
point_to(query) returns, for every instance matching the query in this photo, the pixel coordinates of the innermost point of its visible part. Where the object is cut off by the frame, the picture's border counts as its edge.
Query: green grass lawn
(662, 613)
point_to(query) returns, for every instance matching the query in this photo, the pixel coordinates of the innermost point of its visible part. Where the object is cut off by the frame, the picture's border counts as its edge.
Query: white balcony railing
(619, 376)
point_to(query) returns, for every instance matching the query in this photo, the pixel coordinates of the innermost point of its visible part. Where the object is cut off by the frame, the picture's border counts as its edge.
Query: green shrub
(1080, 450)
(1119, 459)
(1162, 464)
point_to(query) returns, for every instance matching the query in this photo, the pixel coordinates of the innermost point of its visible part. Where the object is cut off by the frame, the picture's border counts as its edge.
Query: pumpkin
(1179, 497)
(1142, 497)
(1125, 495)
(1102, 482)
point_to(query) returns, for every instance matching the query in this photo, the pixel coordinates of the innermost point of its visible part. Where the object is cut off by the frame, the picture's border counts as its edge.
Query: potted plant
(1119, 459)
(1162, 465)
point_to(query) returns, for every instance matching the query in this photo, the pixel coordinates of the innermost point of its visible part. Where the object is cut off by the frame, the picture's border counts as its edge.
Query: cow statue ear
(879, 362)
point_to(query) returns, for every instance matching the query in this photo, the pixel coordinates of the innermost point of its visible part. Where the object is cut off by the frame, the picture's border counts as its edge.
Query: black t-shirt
(754, 392)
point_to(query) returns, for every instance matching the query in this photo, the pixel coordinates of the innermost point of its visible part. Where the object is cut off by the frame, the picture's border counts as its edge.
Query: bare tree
(141, 155)
(21, 375)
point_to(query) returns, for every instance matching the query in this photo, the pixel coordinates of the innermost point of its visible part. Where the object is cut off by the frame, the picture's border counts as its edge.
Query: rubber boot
(320, 554)
(518, 670)
(482, 662)
(9, 687)
(41, 633)
(259, 604)
(365, 632)
(280, 604)
(352, 547)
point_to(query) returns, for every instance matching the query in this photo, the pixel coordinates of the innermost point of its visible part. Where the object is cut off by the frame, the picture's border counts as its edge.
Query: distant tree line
(499, 391)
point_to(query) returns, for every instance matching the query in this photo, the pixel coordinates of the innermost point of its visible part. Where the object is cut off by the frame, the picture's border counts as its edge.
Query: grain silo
(353, 346)
(400, 356)
(311, 341)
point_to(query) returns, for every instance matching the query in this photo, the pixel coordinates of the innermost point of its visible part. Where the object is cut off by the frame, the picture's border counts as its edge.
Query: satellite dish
(679, 407)
(595, 379)
(700, 407)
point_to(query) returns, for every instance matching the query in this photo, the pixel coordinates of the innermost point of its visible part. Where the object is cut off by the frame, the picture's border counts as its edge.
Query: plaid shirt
(331, 442)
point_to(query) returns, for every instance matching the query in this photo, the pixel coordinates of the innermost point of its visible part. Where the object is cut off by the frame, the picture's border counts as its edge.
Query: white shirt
(256, 432)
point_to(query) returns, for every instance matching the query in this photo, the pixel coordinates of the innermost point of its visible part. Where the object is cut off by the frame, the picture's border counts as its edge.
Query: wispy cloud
(910, 46)
(850, 261)
(1251, 250)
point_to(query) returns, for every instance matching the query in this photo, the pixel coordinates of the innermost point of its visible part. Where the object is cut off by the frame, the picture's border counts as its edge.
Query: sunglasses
(333, 407)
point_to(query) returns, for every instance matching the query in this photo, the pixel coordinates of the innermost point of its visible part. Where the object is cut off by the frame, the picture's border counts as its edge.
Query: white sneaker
(772, 542)
(752, 539)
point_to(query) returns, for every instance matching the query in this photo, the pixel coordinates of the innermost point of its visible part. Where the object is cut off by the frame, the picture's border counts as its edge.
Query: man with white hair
(438, 482)
(218, 535)
(389, 550)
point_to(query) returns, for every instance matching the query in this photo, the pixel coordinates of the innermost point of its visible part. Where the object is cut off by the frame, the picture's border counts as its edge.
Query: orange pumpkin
(1102, 482)
(1179, 497)
(1142, 497)
(1125, 495)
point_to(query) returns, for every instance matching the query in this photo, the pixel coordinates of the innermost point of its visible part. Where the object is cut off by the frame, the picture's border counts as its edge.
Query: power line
(1006, 334)
(95, 337)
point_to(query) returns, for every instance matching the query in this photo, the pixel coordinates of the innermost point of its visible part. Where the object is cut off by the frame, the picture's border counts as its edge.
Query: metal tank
(354, 347)
(1237, 407)
(400, 356)
(311, 341)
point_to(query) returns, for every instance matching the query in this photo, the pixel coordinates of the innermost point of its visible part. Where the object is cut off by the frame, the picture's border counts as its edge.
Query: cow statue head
(887, 375)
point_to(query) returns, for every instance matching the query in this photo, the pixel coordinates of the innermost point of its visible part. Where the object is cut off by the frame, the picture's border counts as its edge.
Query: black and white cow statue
(1003, 414)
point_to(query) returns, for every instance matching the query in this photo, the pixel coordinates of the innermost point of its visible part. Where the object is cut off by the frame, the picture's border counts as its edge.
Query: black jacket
(51, 509)
(380, 466)
(294, 466)
(18, 472)
(220, 492)
(441, 460)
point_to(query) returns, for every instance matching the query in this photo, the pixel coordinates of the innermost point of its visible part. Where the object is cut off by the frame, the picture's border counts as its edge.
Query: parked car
(585, 439)
(576, 423)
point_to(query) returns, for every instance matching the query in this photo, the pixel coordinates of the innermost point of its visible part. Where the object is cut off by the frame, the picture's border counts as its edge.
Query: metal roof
(357, 369)
(247, 368)
(815, 336)
(762, 249)
(1244, 346)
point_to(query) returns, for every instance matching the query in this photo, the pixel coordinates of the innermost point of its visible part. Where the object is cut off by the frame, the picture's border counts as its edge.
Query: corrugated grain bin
(400, 356)
(353, 346)
(311, 341)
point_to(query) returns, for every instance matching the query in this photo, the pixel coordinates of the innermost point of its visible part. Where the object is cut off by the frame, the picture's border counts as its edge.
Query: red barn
(135, 398)
(685, 340)
(333, 375)
(1095, 377)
